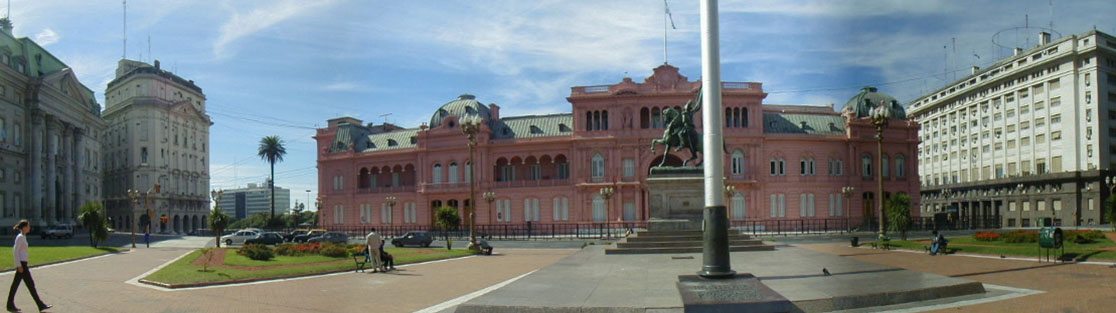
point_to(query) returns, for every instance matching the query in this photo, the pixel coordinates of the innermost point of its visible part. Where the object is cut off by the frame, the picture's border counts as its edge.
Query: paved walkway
(1068, 287)
(98, 285)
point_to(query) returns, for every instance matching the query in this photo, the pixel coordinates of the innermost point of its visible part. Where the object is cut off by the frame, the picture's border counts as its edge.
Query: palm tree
(272, 151)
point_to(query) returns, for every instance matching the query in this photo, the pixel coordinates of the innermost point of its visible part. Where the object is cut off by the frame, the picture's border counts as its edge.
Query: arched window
(596, 120)
(588, 120)
(468, 172)
(737, 162)
(883, 162)
(656, 118)
(866, 165)
(744, 117)
(604, 120)
(900, 166)
(644, 118)
(739, 207)
(600, 209)
(452, 172)
(437, 173)
(598, 166)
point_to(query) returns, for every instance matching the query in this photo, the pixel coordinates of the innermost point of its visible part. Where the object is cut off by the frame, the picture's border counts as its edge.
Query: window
(561, 209)
(883, 162)
(900, 166)
(629, 168)
(531, 210)
(806, 205)
(807, 167)
(468, 172)
(338, 182)
(452, 173)
(866, 165)
(778, 205)
(739, 206)
(503, 210)
(836, 206)
(737, 162)
(437, 174)
(600, 213)
(536, 171)
(563, 170)
(1055, 136)
(1057, 118)
(598, 166)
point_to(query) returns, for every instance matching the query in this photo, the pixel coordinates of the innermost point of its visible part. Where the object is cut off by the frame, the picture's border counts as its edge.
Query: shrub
(1020, 236)
(1083, 236)
(986, 236)
(256, 252)
(334, 251)
(298, 249)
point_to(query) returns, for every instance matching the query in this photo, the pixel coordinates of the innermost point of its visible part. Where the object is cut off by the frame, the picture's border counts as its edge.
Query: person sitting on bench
(938, 243)
(388, 261)
(485, 246)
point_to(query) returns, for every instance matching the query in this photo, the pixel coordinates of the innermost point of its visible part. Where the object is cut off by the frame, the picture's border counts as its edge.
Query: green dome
(465, 104)
(869, 98)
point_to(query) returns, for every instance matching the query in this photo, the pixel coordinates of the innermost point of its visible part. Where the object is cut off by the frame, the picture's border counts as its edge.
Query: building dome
(869, 98)
(464, 105)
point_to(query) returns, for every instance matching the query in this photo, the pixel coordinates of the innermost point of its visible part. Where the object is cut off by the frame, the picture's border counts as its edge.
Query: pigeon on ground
(1002, 256)
(825, 271)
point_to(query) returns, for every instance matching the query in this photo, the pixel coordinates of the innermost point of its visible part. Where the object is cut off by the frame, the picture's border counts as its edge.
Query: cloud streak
(47, 37)
(247, 24)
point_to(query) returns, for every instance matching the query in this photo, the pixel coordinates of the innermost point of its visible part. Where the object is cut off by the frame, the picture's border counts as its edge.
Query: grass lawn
(40, 255)
(969, 245)
(182, 272)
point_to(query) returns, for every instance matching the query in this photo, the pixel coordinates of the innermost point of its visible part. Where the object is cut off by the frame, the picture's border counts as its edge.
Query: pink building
(786, 162)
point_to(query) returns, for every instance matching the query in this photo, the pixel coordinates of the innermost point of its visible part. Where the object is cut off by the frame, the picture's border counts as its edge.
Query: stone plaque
(740, 293)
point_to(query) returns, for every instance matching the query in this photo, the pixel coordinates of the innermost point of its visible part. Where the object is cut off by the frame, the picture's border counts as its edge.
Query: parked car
(310, 234)
(331, 237)
(291, 235)
(239, 237)
(58, 231)
(414, 238)
(268, 238)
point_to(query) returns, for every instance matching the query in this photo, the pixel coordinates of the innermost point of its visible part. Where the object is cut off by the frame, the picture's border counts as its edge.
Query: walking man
(19, 253)
(373, 241)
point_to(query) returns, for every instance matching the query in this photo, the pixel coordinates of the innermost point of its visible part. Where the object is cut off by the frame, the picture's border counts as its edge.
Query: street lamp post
(135, 195)
(730, 190)
(848, 191)
(470, 125)
(489, 196)
(880, 116)
(607, 193)
(391, 208)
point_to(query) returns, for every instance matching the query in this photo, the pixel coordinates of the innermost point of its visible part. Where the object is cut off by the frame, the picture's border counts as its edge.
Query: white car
(239, 237)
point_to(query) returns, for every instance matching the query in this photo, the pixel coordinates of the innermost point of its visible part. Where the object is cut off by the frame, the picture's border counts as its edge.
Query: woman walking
(19, 251)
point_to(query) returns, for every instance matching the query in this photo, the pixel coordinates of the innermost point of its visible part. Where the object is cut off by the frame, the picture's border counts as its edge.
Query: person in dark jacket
(19, 253)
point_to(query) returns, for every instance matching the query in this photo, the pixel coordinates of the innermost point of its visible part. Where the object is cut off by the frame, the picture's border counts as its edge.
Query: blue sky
(284, 67)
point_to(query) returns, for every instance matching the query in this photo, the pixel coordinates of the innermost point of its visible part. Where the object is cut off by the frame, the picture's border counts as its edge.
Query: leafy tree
(258, 220)
(446, 218)
(92, 219)
(899, 214)
(272, 150)
(218, 221)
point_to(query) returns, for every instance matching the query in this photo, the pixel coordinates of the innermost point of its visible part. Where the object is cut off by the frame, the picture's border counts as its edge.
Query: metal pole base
(715, 244)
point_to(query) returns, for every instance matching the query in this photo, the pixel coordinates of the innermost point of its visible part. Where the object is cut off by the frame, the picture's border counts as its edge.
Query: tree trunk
(272, 185)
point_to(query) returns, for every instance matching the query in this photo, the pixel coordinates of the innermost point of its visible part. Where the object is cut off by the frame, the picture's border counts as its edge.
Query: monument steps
(684, 249)
(682, 244)
(681, 238)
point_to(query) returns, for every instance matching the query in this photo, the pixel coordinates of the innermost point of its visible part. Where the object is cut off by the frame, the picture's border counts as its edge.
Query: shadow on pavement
(1010, 270)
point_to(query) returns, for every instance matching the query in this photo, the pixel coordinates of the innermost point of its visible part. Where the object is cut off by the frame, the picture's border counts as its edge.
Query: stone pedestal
(676, 198)
(739, 293)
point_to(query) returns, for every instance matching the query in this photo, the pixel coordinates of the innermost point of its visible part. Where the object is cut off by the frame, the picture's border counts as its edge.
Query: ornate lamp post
(730, 190)
(607, 193)
(848, 193)
(470, 125)
(880, 116)
(135, 195)
(489, 196)
(391, 208)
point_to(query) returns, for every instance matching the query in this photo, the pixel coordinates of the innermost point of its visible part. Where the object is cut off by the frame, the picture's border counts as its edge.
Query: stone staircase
(681, 241)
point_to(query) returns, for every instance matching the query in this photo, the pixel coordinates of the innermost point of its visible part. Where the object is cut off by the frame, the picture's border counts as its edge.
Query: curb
(68, 260)
(252, 280)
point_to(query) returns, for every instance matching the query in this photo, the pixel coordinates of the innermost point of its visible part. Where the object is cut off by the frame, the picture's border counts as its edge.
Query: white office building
(1027, 138)
(244, 202)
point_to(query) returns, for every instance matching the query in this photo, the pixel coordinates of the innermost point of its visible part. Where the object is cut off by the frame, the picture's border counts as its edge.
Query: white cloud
(342, 86)
(838, 8)
(47, 37)
(242, 25)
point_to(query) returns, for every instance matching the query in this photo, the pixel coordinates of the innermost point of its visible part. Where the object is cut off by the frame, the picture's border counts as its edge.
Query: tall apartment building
(1032, 136)
(50, 125)
(158, 133)
(244, 202)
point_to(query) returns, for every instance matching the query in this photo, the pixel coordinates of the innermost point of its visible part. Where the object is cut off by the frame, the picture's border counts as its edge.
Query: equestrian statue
(680, 132)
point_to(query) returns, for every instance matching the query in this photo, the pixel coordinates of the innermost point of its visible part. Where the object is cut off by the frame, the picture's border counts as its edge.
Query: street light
(391, 208)
(135, 195)
(730, 190)
(848, 193)
(489, 196)
(470, 125)
(880, 116)
(607, 193)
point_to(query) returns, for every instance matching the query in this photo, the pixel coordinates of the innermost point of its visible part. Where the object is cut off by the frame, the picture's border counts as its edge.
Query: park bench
(360, 263)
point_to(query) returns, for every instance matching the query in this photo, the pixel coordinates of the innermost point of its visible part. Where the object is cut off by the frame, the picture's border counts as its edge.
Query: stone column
(36, 183)
(51, 170)
(78, 156)
(67, 186)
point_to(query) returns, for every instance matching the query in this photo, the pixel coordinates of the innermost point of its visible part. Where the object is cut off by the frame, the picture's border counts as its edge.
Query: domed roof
(465, 104)
(869, 98)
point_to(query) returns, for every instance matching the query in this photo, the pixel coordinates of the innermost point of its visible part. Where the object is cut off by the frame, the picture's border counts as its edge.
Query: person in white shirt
(373, 241)
(19, 251)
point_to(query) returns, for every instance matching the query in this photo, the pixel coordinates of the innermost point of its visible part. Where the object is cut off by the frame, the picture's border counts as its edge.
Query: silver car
(239, 237)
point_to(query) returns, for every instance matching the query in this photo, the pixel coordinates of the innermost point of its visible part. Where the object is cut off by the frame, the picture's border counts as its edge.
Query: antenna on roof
(149, 47)
(9, 13)
(384, 116)
(124, 30)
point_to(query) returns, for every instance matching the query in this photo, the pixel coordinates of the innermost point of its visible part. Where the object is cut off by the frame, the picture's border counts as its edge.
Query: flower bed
(1020, 236)
(986, 236)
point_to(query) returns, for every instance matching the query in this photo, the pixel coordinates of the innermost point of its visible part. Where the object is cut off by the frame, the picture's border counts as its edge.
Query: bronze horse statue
(680, 133)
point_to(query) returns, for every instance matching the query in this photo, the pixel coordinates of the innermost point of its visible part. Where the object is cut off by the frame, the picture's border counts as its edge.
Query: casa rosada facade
(784, 162)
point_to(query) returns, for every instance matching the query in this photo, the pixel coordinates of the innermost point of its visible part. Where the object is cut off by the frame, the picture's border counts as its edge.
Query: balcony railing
(446, 186)
(387, 189)
(531, 183)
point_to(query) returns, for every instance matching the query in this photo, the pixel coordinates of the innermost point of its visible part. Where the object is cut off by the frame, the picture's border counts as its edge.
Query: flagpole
(666, 11)
(715, 250)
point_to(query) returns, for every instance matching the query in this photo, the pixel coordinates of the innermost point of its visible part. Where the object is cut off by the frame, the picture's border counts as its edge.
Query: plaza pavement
(1067, 288)
(98, 285)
